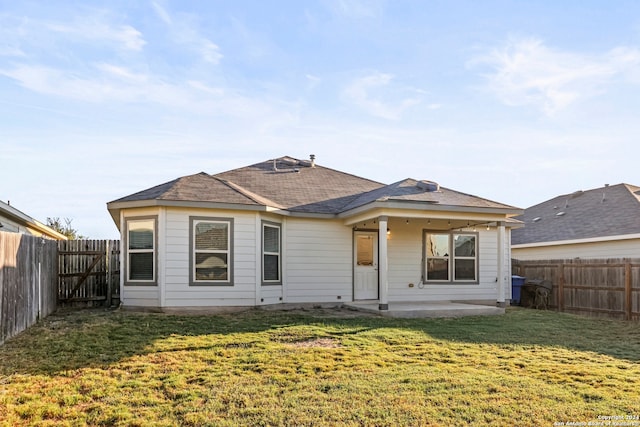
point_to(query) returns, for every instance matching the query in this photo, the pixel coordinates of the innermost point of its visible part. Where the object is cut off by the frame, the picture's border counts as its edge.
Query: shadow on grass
(99, 338)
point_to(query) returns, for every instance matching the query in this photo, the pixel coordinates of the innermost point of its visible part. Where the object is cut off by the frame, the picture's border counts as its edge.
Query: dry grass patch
(318, 368)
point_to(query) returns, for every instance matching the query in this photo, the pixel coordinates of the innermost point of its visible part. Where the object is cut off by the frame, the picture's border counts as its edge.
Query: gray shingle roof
(298, 186)
(409, 191)
(200, 187)
(607, 211)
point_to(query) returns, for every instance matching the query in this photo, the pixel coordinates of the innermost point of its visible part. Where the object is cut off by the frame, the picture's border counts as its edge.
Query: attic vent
(576, 194)
(429, 186)
(561, 213)
(536, 219)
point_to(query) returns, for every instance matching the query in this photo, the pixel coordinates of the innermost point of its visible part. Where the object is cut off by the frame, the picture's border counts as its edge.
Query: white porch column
(383, 266)
(501, 267)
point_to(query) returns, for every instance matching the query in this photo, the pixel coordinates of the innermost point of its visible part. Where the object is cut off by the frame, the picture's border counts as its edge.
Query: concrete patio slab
(427, 309)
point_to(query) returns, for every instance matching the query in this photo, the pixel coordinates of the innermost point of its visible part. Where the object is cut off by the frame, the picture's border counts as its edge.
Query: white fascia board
(426, 210)
(114, 208)
(577, 241)
(431, 207)
(183, 204)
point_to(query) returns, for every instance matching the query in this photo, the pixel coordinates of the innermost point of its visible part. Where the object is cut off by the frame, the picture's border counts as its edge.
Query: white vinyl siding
(316, 262)
(405, 247)
(178, 292)
(136, 294)
(319, 261)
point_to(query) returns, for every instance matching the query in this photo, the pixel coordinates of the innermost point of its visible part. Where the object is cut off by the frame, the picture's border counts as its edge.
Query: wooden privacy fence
(28, 273)
(601, 287)
(89, 272)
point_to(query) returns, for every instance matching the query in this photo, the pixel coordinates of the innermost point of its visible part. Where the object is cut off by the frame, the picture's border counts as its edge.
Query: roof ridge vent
(429, 186)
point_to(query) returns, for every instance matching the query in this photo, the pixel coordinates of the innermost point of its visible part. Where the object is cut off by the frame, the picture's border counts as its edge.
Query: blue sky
(514, 101)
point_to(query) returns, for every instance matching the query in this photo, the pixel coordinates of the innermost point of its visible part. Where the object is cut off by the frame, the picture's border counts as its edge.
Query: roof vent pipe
(275, 166)
(313, 160)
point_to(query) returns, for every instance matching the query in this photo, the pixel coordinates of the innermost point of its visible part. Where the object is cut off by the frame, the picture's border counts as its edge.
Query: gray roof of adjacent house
(607, 211)
(301, 186)
(16, 221)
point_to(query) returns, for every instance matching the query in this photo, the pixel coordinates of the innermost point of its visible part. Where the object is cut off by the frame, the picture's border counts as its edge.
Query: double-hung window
(141, 251)
(271, 250)
(438, 257)
(465, 261)
(211, 251)
(450, 257)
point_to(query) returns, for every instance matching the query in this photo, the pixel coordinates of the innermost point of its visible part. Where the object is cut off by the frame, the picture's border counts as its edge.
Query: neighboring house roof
(299, 187)
(14, 220)
(607, 211)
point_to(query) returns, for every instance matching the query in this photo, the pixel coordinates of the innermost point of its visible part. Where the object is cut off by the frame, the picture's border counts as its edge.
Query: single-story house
(599, 223)
(14, 221)
(292, 231)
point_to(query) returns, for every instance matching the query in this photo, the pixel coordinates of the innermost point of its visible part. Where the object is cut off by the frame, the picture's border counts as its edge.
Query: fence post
(108, 272)
(627, 289)
(561, 287)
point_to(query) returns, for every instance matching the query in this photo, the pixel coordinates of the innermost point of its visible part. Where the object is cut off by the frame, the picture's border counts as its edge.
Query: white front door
(365, 265)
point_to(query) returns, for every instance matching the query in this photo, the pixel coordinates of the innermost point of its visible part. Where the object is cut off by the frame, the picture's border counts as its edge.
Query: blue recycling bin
(516, 288)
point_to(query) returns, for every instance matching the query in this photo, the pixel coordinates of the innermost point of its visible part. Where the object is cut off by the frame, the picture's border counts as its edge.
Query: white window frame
(193, 222)
(456, 258)
(450, 257)
(277, 226)
(154, 222)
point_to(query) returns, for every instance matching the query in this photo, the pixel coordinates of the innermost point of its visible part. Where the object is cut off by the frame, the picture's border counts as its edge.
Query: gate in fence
(89, 273)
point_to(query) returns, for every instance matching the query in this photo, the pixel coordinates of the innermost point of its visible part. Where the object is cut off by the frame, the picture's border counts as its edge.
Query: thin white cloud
(206, 88)
(312, 81)
(104, 85)
(12, 51)
(183, 30)
(94, 28)
(377, 95)
(162, 13)
(527, 72)
(122, 73)
(108, 83)
(356, 8)
(209, 51)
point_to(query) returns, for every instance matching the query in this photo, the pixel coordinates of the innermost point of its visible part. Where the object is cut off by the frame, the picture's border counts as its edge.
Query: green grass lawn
(319, 367)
